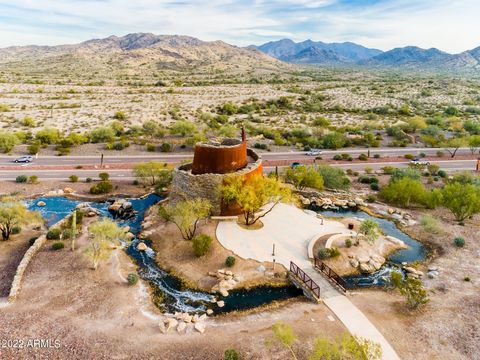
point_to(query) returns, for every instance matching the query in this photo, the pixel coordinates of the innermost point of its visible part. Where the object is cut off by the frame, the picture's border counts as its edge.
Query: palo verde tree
(103, 234)
(463, 200)
(412, 289)
(186, 215)
(253, 194)
(304, 177)
(153, 173)
(14, 214)
(344, 347)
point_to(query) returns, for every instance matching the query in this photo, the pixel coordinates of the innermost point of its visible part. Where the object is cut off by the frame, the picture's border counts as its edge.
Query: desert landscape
(183, 197)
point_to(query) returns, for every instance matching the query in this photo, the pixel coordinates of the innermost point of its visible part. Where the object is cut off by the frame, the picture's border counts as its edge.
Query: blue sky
(451, 26)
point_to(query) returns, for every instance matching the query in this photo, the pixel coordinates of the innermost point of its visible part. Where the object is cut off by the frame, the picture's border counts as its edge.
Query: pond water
(174, 296)
(415, 252)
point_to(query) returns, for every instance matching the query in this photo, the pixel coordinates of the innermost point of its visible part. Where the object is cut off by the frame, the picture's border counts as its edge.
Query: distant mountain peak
(308, 51)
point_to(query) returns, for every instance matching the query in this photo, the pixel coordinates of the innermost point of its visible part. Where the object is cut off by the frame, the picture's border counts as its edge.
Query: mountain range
(136, 54)
(348, 53)
(143, 54)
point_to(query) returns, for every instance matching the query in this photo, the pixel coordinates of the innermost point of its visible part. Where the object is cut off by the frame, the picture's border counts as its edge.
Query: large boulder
(170, 323)
(200, 327)
(181, 327)
(41, 203)
(142, 247)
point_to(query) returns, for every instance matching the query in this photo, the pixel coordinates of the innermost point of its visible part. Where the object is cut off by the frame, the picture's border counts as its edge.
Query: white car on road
(314, 153)
(418, 161)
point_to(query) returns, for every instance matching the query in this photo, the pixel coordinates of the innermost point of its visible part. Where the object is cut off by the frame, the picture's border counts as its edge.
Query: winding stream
(415, 251)
(173, 295)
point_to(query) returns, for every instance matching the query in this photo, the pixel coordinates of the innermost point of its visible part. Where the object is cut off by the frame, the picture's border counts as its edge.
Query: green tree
(186, 215)
(334, 178)
(333, 141)
(474, 143)
(452, 145)
(8, 141)
(412, 289)
(304, 176)
(285, 335)
(104, 233)
(184, 128)
(13, 214)
(48, 136)
(153, 173)
(102, 134)
(403, 192)
(253, 194)
(463, 200)
(370, 229)
(345, 347)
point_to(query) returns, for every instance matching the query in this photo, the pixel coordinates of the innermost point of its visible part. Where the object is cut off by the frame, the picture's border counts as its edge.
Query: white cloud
(448, 25)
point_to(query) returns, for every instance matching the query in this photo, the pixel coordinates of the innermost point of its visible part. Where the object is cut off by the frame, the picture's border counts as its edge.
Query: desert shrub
(430, 224)
(201, 244)
(371, 198)
(337, 157)
(404, 192)
(440, 153)
(88, 180)
(104, 176)
(21, 179)
(103, 187)
(362, 157)
(377, 156)
(459, 241)
(33, 179)
(409, 156)
(231, 354)
(132, 279)
(67, 234)
(388, 170)
(102, 134)
(334, 178)
(442, 173)
(58, 245)
(230, 261)
(16, 230)
(374, 186)
(325, 253)
(54, 234)
(368, 170)
(348, 243)
(33, 148)
(165, 147)
(260, 146)
(32, 240)
(367, 179)
(151, 147)
(73, 178)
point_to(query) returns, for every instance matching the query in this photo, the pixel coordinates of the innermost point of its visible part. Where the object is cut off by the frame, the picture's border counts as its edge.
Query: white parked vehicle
(418, 161)
(24, 159)
(314, 153)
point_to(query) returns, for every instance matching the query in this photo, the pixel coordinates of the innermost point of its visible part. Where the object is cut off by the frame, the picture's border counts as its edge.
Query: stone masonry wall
(32, 250)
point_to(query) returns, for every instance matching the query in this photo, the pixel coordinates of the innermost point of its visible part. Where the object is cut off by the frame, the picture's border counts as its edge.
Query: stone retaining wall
(186, 185)
(32, 250)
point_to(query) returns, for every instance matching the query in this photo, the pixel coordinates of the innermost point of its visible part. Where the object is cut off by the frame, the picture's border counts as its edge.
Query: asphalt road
(111, 158)
(448, 165)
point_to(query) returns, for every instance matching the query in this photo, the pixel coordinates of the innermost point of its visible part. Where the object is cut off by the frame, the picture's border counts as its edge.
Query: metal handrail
(307, 280)
(331, 274)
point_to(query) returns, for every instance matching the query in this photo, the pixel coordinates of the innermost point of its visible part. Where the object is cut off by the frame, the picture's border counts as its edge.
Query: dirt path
(11, 253)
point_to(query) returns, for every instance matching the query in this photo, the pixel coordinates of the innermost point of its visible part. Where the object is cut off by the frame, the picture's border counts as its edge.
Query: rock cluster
(367, 264)
(183, 322)
(121, 209)
(227, 280)
(401, 216)
(433, 272)
(330, 202)
(87, 210)
(147, 225)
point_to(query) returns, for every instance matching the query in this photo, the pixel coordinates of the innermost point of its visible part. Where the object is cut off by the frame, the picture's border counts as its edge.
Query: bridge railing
(331, 274)
(307, 280)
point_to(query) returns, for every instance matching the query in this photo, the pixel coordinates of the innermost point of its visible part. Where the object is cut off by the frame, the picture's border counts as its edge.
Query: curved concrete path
(291, 230)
